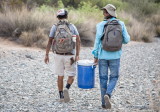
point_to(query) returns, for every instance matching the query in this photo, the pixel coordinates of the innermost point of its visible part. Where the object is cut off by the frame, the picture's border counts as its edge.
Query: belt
(64, 53)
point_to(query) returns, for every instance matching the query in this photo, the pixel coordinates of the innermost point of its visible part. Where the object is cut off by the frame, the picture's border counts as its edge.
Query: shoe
(107, 102)
(66, 95)
(104, 106)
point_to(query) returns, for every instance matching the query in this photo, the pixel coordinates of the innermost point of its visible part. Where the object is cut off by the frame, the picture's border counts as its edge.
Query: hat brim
(103, 8)
(112, 13)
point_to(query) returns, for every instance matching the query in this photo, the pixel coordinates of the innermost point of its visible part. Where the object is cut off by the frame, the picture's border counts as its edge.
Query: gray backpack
(112, 37)
(63, 32)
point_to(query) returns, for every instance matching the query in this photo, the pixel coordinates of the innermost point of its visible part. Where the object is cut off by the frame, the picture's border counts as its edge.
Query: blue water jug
(85, 74)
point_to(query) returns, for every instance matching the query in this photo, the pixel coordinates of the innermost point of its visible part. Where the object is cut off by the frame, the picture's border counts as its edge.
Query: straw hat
(111, 9)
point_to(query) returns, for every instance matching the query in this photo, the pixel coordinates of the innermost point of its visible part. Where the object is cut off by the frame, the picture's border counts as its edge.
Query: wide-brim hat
(111, 9)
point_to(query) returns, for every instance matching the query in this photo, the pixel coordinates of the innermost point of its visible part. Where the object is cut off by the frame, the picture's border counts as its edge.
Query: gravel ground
(27, 84)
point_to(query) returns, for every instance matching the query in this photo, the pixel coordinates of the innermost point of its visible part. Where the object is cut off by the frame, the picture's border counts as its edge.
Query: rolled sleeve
(99, 32)
(52, 31)
(74, 30)
(95, 53)
(126, 37)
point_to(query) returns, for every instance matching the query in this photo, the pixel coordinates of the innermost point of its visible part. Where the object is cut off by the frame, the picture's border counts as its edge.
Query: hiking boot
(66, 95)
(107, 102)
(104, 106)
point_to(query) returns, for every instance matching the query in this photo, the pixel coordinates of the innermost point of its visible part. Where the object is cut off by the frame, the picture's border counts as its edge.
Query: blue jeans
(107, 86)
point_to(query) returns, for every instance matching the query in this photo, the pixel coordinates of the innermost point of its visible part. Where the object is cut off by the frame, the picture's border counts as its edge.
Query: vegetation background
(28, 22)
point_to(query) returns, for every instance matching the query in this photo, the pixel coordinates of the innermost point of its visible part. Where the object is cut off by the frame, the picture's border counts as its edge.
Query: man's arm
(47, 50)
(78, 45)
(99, 32)
(126, 37)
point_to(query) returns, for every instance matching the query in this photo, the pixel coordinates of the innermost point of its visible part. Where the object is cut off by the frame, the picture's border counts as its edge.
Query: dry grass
(34, 26)
(139, 31)
(31, 22)
(35, 38)
(86, 26)
(87, 32)
(155, 20)
(24, 20)
(158, 31)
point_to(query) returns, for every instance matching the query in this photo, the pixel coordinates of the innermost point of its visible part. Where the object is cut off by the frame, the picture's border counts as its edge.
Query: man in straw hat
(108, 59)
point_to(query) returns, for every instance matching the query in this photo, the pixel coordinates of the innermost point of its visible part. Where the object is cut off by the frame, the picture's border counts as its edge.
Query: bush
(117, 3)
(85, 18)
(88, 11)
(141, 8)
(35, 24)
(137, 30)
(24, 20)
(158, 31)
(28, 22)
(35, 38)
(155, 21)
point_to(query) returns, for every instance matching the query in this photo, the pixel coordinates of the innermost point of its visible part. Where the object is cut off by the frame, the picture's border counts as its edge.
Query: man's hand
(76, 58)
(46, 60)
(95, 61)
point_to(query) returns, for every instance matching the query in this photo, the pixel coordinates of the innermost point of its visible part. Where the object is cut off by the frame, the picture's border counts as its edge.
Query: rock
(3, 92)
(22, 65)
(128, 102)
(29, 56)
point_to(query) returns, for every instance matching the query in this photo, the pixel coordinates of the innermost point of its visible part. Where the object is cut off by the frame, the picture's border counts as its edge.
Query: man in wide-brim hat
(108, 59)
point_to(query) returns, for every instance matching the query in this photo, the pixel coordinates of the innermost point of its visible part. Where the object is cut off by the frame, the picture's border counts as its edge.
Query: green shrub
(118, 3)
(46, 8)
(142, 8)
(88, 11)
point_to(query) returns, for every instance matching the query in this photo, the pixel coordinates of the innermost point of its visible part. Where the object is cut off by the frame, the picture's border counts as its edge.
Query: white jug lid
(85, 62)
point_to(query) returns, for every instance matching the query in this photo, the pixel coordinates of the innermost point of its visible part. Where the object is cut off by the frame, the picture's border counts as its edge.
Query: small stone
(128, 102)
(29, 56)
(121, 87)
(3, 92)
(13, 52)
(1, 106)
(23, 65)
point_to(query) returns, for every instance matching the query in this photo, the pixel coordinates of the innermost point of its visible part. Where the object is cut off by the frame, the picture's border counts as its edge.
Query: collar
(110, 19)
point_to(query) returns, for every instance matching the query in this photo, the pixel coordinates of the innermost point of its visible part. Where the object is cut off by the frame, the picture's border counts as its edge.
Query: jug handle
(93, 66)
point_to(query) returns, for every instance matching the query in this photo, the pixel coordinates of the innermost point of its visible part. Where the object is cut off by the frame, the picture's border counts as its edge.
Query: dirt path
(27, 84)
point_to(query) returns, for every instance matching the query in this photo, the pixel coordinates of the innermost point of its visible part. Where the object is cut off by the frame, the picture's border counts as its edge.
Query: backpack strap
(56, 29)
(67, 28)
(104, 29)
(105, 26)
